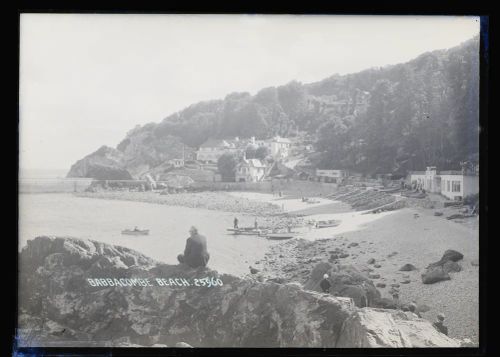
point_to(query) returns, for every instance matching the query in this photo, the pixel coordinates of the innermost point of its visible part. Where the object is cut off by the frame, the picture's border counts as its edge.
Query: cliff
(61, 307)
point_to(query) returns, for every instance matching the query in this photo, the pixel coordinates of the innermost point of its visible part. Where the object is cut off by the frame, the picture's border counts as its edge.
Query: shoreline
(418, 241)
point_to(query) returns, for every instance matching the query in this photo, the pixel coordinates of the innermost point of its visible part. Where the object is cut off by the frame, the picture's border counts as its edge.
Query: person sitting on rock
(439, 324)
(325, 284)
(195, 254)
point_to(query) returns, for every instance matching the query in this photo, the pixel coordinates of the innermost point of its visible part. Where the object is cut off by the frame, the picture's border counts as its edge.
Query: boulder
(434, 275)
(451, 266)
(371, 261)
(407, 267)
(452, 255)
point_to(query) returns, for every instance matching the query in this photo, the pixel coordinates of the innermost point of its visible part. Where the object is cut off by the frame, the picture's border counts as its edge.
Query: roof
(253, 163)
(281, 140)
(417, 172)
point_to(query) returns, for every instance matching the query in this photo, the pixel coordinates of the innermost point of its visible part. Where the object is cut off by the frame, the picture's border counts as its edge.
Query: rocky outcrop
(377, 328)
(103, 164)
(60, 306)
(345, 281)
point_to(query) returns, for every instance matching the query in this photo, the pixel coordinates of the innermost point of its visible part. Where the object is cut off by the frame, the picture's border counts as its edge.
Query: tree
(261, 153)
(227, 166)
(250, 152)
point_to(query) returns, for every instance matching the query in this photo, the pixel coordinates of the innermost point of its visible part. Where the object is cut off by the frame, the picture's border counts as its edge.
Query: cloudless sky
(85, 80)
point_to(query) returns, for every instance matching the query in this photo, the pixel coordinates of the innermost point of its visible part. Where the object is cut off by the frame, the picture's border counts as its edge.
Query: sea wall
(57, 302)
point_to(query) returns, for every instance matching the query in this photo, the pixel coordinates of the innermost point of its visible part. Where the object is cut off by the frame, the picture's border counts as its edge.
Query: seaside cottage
(454, 185)
(251, 170)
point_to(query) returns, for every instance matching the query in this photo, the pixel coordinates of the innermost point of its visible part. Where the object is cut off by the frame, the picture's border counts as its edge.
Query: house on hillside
(212, 150)
(277, 146)
(251, 170)
(454, 185)
(177, 163)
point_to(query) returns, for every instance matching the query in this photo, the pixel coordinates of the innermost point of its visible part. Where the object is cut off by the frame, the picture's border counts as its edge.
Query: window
(448, 185)
(455, 186)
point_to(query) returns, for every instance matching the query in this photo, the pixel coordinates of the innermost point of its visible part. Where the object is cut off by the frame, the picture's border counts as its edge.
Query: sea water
(63, 214)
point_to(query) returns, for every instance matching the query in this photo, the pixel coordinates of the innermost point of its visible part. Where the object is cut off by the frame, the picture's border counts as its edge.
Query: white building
(278, 147)
(212, 150)
(251, 170)
(454, 185)
(177, 163)
(331, 175)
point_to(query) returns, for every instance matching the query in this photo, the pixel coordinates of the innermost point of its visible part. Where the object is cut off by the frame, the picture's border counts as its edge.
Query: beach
(392, 239)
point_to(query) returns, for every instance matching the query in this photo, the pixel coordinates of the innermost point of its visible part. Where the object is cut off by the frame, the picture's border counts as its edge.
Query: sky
(87, 79)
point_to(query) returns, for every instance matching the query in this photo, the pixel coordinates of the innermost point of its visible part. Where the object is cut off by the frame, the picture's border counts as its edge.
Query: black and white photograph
(248, 181)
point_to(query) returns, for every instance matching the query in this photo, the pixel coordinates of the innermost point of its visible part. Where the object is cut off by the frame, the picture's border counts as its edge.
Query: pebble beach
(388, 240)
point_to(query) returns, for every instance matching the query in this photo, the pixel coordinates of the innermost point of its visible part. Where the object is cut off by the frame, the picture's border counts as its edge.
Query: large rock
(240, 313)
(370, 327)
(434, 275)
(346, 281)
(452, 255)
(438, 271)
(58, 307)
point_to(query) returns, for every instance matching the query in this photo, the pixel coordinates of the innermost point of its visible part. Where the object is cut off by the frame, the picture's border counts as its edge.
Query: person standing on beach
(195, 254)
(439, 324)
(256, 224)
(235, 223)
(325, 284)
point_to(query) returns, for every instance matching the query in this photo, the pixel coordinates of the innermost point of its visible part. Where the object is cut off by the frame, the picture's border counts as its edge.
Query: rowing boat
(136, 232)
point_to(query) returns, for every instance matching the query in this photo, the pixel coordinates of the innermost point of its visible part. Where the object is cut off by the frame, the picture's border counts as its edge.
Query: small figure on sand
(256, 224)
(325, 284)
(395, 296)
(279, 193)
(412, 313)
(439, 324)
(195, 254)
(235, 223)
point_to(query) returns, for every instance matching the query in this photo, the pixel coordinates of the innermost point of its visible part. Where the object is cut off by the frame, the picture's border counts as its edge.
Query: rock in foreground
(57, 302)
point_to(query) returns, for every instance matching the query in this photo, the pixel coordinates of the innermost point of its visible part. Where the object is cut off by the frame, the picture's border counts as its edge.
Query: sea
(64, 214)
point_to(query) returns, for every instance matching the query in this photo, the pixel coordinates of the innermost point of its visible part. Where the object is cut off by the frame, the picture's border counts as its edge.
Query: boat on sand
(327, 224)
(279, 236)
